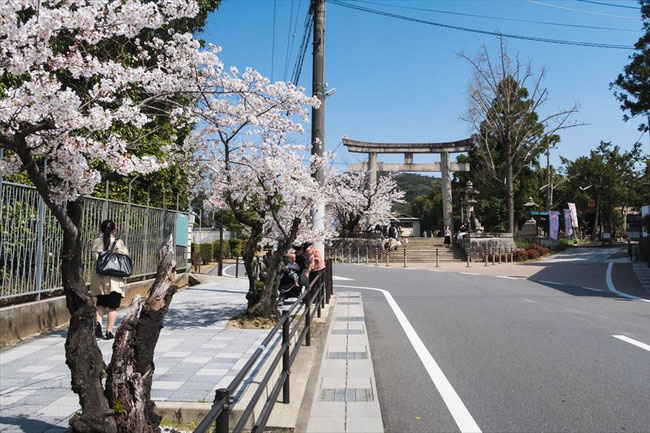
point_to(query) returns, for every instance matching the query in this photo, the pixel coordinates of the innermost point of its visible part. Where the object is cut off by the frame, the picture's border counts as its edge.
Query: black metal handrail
(319, 290)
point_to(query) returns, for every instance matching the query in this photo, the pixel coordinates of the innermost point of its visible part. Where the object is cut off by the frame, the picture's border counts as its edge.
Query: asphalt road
(522, 356)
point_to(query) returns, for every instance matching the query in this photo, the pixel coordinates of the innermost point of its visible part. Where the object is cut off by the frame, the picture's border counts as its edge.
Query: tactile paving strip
(350, 318)
(347, 355)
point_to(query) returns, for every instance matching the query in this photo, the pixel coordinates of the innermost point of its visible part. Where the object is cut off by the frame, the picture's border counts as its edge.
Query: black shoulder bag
(114, 264)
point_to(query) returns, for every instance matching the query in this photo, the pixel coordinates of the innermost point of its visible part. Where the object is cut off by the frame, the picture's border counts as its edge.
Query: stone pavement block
(166, 384)
(326, 425)
(362, 409)
(364, 425)
(329, 409)
(212, 372)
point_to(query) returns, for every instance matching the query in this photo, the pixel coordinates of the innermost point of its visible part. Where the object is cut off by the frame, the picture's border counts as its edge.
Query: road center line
(456, 407)
(612, 288)
(632, 341)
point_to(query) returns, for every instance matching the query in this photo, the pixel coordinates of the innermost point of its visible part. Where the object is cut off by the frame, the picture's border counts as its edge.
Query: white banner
(574, 215)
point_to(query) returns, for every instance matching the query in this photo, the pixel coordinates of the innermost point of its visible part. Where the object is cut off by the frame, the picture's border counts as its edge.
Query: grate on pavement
(346, 395)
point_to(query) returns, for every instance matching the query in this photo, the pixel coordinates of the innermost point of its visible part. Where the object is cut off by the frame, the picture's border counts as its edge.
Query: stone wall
(478, 243)
(353, 247)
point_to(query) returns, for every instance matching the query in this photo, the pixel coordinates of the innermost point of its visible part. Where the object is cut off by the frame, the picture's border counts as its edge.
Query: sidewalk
(345, 398)
(195, 355)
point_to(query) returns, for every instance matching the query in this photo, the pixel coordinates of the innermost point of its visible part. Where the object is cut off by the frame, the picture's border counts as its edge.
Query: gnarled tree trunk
(82, 355)
(130, 373)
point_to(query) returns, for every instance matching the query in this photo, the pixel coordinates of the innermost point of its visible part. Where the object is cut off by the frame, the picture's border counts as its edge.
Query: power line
(484, 32)
(582, 10)
(293, 34)
(273, 41)
(309, 23)
(286, 56)
(609, 4)
(499, 18)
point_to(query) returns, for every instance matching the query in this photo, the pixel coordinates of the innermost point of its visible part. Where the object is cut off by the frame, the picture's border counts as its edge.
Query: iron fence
(31, 238)
(296, 319)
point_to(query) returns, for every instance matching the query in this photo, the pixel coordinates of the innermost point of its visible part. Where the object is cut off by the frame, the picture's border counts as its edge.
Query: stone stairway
(424, 250)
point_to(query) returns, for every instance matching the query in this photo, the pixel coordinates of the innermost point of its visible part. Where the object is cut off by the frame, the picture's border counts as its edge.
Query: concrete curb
(345, 398)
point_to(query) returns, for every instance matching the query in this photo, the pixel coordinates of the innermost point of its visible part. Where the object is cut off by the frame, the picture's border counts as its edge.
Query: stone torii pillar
(445, 171)
(445, 166)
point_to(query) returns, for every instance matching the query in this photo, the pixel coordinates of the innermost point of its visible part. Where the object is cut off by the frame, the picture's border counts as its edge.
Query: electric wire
(293, 35)
(582, 10)
(286, 55)
(609, 4)
(273, 41)
(484, 32)
(499, 18)
(309, 22)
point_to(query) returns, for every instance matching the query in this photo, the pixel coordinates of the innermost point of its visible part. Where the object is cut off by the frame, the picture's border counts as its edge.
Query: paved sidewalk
(195, 355)
(345, 399)
(578, 267)
(642, 271)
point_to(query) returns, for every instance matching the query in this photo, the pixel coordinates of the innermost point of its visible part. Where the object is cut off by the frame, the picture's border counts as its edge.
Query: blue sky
(403, 81)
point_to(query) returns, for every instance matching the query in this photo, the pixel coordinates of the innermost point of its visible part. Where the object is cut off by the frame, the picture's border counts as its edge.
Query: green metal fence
(30, 238)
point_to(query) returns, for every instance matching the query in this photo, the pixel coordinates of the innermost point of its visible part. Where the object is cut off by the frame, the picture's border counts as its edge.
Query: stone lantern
(530, 226)
(473, 223)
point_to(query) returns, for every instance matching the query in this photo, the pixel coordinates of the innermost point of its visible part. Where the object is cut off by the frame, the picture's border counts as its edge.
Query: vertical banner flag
(568, 230)
(574, 215)
(555, 223)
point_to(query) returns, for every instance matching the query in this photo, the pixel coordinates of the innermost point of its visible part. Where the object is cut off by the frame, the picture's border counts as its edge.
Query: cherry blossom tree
(76, 81)
(255, 169)
(356, 204)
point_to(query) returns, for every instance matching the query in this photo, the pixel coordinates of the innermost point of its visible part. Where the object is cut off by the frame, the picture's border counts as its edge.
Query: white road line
(456, 407)
(337, 278)
(226, 268)
(612, 288)
(550, 282)
(592, 289)
(469, 273)
(632, 341)
(507, 278)
(437, 270)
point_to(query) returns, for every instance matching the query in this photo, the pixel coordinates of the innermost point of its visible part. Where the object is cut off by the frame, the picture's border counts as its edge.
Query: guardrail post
(349, 254)
(367, 257)
(468, 254)
(286, 388)
(512, 254)
(404, 255)
(499, 250)
(221, 425)
(318, 298)
(358, 255)
(329, 288)
(485, 253)
(387, 258)
(308, 317)
(376, 256)
(437, 258)
(493, 258)
(237, 266)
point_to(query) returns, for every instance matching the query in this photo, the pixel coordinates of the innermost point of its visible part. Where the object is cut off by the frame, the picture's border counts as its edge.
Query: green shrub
(562, 244)
(235, 247)
(205, 250)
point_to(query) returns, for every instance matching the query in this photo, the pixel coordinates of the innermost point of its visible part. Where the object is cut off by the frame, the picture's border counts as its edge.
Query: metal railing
(31, 238)
(297, 318)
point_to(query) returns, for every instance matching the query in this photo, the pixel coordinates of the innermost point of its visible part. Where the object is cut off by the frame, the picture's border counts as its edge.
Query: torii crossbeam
(445, 167)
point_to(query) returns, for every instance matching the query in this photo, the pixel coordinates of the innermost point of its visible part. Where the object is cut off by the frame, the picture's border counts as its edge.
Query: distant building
(410, 225)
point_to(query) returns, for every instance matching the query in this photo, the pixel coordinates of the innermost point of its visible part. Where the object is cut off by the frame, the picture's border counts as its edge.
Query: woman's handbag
(114, 264)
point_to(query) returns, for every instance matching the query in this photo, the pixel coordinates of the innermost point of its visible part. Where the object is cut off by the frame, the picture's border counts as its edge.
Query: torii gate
(445, 166)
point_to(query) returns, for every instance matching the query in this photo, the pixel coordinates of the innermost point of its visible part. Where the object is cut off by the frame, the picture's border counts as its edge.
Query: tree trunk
(82, 355)
(248, 257)
(510, 193)
(130, 373)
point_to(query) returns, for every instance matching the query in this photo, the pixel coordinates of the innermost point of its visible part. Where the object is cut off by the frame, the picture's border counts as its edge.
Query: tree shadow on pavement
(200, 315)
(31, 425)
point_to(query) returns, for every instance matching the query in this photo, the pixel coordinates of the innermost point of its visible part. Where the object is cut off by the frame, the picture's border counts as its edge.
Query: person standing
(109, 290)
(447, 236)
(316, 263)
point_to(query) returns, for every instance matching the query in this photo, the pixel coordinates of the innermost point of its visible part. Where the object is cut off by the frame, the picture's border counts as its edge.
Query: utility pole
(220, 269)
(317, 8)
(549, 178)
